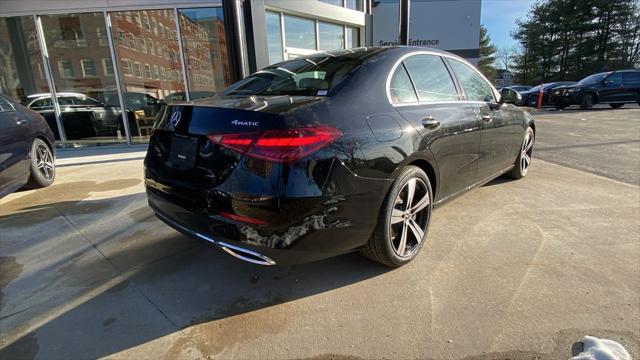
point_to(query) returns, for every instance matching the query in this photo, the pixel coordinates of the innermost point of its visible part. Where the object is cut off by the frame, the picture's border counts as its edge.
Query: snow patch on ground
(601, 349)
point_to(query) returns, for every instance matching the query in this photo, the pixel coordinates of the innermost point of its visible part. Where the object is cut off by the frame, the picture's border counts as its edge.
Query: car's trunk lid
(184, 164)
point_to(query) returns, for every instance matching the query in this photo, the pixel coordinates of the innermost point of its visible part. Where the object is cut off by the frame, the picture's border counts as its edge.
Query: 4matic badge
(245, 123)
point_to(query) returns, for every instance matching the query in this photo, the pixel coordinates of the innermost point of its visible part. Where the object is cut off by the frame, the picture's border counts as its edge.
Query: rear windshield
(315, 75)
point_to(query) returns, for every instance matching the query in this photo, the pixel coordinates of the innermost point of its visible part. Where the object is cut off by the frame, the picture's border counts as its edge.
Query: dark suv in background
(615, 88)
(530, 97)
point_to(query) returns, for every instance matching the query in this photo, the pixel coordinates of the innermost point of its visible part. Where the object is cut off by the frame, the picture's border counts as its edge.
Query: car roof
(366, 53)
(60, 94)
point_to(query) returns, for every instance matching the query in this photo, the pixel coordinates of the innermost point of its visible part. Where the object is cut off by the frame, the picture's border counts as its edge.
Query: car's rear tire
(43, 169)
(523, 161)
(533, 102)
(403, 220)
(586, 101)
(616, 105)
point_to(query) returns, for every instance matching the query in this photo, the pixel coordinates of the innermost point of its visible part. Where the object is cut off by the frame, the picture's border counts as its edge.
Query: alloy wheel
(410, 217)
(44, 162)
(526, 152)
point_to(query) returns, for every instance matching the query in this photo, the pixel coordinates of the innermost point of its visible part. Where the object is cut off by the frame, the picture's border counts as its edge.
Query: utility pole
(405, 6)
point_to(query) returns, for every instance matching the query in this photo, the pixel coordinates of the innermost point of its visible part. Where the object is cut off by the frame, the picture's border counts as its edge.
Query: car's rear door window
(41, 104)
(5, 105)
(631, 78)
(431, 78)
(400, 88)
(474, 85)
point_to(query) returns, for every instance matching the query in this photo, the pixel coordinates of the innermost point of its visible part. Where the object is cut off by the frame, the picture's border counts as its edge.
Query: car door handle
(487, 118)
(430, 123)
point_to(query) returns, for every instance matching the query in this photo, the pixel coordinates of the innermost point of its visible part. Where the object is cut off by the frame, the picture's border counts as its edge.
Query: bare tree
(506, 56)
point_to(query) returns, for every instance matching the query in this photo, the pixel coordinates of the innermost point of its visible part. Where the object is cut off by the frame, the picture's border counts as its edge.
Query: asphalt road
(601, 141)
(515, 269)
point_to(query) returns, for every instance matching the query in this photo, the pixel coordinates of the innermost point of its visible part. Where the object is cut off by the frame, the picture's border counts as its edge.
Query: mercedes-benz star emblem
(175, 117)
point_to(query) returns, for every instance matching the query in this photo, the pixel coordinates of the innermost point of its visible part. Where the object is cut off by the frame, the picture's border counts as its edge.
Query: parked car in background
(27, 155)
(530, 97)
(519, 88)
(333, 152)
(141, 108)
(82, 116)
(615, 88)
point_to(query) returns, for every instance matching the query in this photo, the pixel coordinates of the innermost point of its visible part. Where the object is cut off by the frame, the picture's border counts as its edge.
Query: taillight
(279, 145)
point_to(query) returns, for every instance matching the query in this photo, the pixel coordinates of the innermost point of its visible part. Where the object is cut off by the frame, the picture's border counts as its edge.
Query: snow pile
(601, 349)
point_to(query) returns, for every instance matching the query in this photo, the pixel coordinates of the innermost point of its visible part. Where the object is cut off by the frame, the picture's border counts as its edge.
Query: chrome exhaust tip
(235, 251)
(245, 255)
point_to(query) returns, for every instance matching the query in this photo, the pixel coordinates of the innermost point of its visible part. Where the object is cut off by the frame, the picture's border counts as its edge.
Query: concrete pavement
(515, 269)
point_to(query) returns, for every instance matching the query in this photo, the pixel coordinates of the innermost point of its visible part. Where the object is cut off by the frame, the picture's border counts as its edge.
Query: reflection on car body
(82, 116)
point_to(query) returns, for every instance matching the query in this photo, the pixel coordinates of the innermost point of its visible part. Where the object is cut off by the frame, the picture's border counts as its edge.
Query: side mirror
(607, 82)
(510, 96)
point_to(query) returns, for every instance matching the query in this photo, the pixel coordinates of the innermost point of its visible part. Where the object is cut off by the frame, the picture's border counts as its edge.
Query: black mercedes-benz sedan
(27, 148)
(333, 152)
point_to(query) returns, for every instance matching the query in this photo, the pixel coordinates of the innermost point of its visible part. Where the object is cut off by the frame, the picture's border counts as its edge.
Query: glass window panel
(331, 36)
(332, 2)
(400, 88)
(143, 88)
(431, 78)
(299, 32)
(205, 47)
(5, 105)
(21, 69)
(476, 88)
(615, 79)
(353, 4)
(107, 66)
(353, 37)
(88, 67)
(75, 48)
(632, 77)
(274, 37)
(312, 75)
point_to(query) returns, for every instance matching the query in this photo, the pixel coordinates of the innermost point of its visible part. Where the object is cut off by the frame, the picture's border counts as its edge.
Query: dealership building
(82, 64)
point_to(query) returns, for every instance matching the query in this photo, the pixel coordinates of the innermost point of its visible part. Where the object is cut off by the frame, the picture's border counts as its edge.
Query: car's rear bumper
(327, 226)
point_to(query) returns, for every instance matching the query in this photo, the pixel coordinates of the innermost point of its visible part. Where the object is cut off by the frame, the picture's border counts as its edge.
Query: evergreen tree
(487, 55)
(569, 39)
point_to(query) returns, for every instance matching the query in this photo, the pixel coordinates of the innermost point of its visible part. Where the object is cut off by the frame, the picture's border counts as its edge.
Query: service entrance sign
(451, 25)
